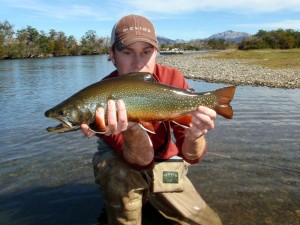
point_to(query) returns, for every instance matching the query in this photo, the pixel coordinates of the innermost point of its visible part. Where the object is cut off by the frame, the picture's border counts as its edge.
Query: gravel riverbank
(231, 71)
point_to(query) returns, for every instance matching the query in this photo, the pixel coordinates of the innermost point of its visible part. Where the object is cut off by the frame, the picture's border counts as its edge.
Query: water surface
(250, 175)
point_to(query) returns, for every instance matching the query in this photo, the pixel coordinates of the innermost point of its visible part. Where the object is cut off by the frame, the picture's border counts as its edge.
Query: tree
(284, 39)
(28, 42)
(46, 44)
(105, 43)
(60, 48)
(6, 38)
(217, 44)
(90, 43)
(252, 42)
(261, 33)
(72, 46)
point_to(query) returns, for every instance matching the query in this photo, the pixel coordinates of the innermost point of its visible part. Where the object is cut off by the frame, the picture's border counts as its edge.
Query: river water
(250, 174)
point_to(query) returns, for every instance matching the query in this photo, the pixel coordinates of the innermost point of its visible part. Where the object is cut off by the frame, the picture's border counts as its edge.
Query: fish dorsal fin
(148, 77)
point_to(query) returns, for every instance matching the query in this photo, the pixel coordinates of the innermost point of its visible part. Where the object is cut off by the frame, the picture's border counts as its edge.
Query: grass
(271, 58)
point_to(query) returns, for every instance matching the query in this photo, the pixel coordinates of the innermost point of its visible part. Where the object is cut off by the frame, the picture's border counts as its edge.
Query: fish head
(70, 117)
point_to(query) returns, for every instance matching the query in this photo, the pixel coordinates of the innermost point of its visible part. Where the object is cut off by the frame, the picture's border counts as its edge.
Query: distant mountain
(180, 41)
(230, 36)
(164, 40)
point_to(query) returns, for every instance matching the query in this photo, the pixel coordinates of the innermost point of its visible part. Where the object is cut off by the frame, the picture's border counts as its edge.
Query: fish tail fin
(224, 97)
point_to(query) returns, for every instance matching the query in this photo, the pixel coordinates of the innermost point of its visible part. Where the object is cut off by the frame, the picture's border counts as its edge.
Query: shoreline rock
(230, 71)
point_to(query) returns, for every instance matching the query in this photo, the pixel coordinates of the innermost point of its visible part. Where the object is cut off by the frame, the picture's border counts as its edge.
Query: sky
(174, 19)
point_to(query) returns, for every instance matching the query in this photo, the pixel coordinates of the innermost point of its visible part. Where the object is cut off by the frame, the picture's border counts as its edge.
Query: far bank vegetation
(30, 43)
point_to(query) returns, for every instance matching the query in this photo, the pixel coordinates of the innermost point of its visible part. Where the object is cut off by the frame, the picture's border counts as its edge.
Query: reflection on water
(250, 175)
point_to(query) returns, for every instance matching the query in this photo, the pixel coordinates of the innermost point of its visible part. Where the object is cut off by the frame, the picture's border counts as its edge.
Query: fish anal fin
(183, 121)
(224, 97)
(147, 126)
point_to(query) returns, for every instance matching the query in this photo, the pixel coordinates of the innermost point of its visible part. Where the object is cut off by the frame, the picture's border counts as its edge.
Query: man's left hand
(202, 121)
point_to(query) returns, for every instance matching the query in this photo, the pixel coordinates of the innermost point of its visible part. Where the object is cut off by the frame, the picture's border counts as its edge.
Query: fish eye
(60, 112)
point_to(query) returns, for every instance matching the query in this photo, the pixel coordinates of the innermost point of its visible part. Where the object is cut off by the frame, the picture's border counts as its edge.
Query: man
(128, 155)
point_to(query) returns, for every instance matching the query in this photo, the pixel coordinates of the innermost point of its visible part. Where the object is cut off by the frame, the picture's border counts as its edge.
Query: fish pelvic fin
(224, 97)
(183, 121)
(147, 126)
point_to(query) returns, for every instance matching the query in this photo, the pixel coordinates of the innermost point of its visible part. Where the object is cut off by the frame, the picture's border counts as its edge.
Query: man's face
(137, 57)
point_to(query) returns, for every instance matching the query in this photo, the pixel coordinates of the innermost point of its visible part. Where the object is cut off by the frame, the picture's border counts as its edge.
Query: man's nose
(139, 62)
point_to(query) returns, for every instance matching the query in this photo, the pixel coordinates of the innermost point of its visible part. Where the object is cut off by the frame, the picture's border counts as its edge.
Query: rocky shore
(230, 71)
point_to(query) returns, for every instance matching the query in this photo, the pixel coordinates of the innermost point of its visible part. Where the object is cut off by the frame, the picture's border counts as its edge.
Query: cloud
(284, 24)
(62, 9)
(241, 6)
(110, 9)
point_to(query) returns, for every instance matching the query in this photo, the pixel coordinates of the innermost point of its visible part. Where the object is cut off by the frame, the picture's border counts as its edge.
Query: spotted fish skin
(145, 99)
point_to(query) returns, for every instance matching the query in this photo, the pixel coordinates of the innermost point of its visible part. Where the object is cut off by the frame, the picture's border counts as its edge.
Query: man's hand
(194, 143)
(202, 121)
(116, 119)
(137, 148)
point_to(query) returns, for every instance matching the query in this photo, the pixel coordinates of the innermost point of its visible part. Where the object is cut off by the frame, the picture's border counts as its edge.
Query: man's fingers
(116, 116)
(112, 116)
(207, 111)
(86, 130)
(122, 116)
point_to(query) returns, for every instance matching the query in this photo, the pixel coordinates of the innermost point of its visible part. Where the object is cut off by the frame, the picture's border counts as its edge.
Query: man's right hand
(134, 136)
(117, 121)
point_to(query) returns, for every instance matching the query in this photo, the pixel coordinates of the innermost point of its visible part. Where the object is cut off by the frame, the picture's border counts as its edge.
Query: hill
(164, 40)
(230, 36)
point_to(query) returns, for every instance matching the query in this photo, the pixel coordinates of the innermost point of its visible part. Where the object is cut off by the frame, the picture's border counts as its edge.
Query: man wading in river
(134, 166)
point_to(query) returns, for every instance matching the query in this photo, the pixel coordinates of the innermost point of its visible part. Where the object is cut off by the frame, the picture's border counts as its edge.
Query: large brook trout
(145, 100)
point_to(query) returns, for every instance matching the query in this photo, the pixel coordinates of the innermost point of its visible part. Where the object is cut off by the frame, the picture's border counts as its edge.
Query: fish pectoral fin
(183, 121)
(147, 126)
(98, 126)
(97, 131)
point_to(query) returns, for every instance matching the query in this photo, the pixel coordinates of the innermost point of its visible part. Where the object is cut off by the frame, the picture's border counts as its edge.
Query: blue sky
(175, 19)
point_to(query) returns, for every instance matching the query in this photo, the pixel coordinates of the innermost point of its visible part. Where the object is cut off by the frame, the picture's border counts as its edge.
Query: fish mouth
(64, 125)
